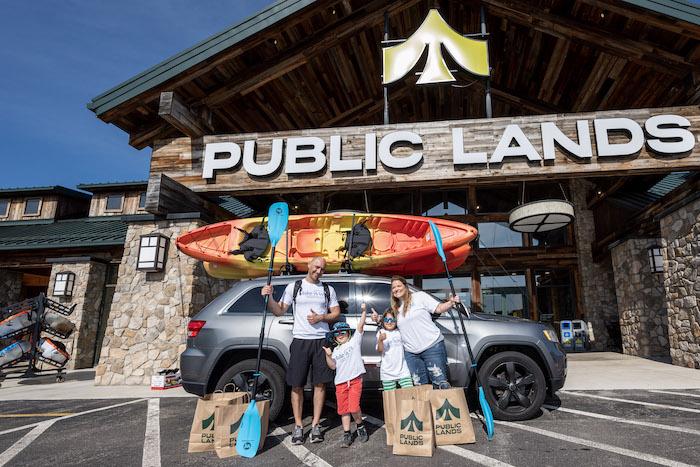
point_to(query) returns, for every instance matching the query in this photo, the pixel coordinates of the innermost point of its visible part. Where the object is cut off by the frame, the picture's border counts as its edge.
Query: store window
(4, 207)
(555, 295)
(440, 287)
(142, 200)
(498, 235)
(497, 200)
(558, 237)
(444, 203)
(114, 202)
(395, 202)
(32, 207)
(505, 295)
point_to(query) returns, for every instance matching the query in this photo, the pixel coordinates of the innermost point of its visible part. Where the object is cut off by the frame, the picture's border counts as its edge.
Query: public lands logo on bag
(446, 412)
(411, 424)
(208, 425)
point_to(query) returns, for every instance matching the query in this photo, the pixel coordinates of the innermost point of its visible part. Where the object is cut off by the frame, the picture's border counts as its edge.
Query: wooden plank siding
(181, 158)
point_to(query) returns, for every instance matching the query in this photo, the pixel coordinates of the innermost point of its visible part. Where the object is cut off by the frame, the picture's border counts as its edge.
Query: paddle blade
(248, 439)
(438, 240)
(488, 416)
(277, 218)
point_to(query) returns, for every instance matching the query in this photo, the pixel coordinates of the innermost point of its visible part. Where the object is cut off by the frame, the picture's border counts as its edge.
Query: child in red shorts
(346, 360)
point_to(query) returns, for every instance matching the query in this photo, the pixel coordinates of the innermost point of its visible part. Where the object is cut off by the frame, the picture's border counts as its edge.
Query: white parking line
(24, 441)
(627, 401)
(624, 420)
(657, 391)
(151, 442)
(594, 444)
(99, 409)
(304, 455)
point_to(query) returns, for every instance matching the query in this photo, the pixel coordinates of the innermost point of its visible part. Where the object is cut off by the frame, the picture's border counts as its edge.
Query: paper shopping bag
(451, 419)
(203, 423)
(414, 429)
(228, 420)
(391, 400)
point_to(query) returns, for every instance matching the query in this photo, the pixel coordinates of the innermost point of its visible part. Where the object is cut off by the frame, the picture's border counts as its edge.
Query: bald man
(312, 314)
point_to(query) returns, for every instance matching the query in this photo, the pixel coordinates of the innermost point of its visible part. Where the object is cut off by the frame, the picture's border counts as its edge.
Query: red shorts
(348, 396)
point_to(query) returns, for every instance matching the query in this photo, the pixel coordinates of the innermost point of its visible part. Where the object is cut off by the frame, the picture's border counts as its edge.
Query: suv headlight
(550, 335)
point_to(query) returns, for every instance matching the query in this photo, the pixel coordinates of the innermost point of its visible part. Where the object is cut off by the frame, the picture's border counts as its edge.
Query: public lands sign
(442, 153)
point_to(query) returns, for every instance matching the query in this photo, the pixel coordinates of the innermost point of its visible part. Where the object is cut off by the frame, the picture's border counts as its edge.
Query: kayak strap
(255, 243)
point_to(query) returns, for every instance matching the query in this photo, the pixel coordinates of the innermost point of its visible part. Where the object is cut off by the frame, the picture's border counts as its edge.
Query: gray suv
(519, 361)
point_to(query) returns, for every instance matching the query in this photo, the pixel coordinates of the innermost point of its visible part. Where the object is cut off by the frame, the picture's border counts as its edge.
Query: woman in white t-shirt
(424, 344)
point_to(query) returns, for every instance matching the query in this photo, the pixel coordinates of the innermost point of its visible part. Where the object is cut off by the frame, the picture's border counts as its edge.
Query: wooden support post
(166, 196)
(476, 290)
(174, 111)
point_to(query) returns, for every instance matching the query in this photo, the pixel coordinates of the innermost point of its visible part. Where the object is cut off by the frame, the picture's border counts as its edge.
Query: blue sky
(57, 55)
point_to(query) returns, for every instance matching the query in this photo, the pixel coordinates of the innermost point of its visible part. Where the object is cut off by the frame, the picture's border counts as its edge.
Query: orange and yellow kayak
(401, 244)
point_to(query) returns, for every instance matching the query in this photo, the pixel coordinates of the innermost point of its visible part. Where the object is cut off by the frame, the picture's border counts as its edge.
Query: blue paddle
(485, 409)
(249, 434)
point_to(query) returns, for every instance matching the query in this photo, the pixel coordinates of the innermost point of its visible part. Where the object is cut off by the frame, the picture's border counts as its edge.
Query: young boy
(393, 368)
(346, 360)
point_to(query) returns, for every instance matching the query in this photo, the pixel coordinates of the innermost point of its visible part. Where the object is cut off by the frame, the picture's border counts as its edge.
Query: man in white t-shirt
(313, 311)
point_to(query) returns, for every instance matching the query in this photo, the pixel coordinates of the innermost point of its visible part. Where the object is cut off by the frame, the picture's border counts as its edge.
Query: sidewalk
(610, 371)
(587, 371)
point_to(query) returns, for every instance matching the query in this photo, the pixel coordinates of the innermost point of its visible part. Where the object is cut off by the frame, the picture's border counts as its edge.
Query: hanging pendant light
(541, 216)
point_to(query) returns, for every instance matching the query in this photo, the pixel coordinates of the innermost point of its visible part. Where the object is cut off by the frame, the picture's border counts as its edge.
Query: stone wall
(147, 325)
(10, 286)
(641, 300)
(87, 296)
(597, 280)
(680, 231)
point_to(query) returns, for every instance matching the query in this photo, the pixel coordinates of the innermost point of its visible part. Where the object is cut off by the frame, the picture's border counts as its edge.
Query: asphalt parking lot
(622, 427)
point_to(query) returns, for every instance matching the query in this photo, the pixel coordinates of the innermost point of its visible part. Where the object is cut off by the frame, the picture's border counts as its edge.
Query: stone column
(641, 300)
(10, 286)
(147, 324)
(680, 232)
(597, 282)
(87, 296)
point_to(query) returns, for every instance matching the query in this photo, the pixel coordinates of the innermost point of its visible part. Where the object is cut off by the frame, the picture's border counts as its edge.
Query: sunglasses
(389, 320)
(343, 333)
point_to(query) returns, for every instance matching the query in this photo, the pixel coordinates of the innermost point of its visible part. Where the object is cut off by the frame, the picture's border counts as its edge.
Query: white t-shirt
(393, 366)
(348, 359)
(418, 332)
(310, 297)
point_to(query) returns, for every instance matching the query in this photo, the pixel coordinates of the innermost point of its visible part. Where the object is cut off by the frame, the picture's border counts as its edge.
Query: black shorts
(305, 355)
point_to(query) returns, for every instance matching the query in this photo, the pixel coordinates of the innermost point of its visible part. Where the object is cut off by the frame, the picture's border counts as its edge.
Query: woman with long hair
(424, 344)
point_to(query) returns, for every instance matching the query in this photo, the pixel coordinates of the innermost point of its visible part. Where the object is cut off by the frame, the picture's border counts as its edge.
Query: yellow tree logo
(470, 54)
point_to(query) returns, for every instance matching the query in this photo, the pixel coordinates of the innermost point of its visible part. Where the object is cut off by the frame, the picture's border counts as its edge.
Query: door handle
(286, 321)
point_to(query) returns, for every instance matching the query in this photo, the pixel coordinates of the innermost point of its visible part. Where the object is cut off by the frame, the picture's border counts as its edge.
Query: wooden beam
(637, 51)
(145, 136)
(619, 183)
(369, 15)
(166, 196)
(174, 111)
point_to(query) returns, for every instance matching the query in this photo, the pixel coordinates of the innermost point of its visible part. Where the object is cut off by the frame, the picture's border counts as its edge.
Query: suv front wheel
(270, 382)
(514, 386)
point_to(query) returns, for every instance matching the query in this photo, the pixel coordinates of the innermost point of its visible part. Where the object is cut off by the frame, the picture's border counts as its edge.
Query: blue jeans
(429, 366)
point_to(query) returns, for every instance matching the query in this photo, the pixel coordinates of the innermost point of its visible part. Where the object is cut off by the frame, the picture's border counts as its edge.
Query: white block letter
(296, 151)
(551, 134)
(211, 163)
(337, 164)
(268, 168)
(603, 126)
(675, 128)
(524, 147)
(460, 157)
(371, 151)
(389, 159)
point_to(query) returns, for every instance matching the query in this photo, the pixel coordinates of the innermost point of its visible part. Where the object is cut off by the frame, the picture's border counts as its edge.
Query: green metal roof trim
(195, 55)
(44, 190)
(679, 9)
(109, 186)
(72, 233)
(235, 206)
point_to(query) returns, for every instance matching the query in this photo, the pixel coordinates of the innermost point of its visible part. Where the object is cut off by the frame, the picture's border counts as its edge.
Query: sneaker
(298, 435)
(316, 434)
(347, 440)
(362, 434)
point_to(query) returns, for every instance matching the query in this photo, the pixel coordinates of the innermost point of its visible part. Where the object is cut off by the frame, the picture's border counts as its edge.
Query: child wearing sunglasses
(393, 368)
(346, 360)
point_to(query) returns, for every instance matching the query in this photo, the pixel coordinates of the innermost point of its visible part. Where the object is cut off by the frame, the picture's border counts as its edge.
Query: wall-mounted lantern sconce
(63, 285)
(656, 259)
(152, 251)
